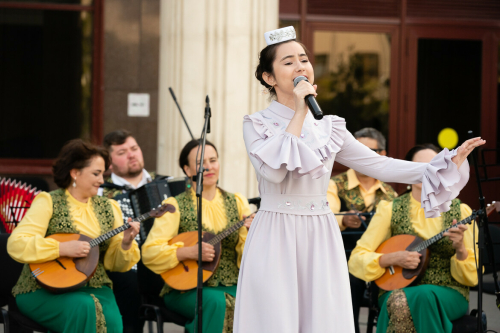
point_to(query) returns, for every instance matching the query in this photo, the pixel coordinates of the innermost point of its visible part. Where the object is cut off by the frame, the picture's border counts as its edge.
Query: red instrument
(15, 199)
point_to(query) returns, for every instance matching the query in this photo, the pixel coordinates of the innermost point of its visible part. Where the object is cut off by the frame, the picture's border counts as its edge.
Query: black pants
(126, 290)
(358, 288)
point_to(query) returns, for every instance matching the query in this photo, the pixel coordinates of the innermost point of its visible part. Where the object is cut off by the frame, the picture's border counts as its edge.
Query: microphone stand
(483, 244)
(180, 111)
(199, 190)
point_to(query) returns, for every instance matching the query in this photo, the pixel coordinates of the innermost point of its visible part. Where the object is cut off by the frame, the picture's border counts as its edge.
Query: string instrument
(396, 277)
(66, 274)
(184, 276)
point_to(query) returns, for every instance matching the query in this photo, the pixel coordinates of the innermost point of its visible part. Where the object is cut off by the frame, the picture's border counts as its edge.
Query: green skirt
(432, 308)
(87, 310)
(218, 308)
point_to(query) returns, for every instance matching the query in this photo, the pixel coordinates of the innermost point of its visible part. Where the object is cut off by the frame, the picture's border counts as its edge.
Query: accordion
(140, 201)
(15, 200)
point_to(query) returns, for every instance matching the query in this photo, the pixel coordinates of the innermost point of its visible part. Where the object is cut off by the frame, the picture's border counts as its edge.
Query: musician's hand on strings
(352, 221)
(405, 259)
(129, 234)
(456, 235)
(465, 149)
(248, 220)
(191, 252)
(74, 249)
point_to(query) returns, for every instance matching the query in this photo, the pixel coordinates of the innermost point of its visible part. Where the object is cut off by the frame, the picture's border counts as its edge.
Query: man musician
(128, 173)
(352, 194)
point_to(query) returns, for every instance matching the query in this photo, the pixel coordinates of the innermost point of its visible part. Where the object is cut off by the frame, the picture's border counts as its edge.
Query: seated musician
(73, 208)
(443, 293)
(352, 192)
(220, 210)
(127, 163)
(127, 167)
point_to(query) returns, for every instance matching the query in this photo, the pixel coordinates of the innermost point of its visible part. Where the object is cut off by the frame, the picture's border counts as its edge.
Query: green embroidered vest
(62, 223)
(227, 272)
(352, 199)
(438, 272)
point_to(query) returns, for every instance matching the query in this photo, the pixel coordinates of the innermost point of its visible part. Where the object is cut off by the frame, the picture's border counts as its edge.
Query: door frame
(488, 122)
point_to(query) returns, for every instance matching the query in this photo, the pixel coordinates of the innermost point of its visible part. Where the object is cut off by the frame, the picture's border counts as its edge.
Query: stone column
(211, 47)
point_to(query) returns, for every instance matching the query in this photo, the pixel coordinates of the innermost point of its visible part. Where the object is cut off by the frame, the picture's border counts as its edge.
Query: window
(352, 70)
(48, 72)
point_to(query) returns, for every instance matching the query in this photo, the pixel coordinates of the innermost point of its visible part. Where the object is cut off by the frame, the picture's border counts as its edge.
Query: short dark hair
(411, 153)
(371, 133)
(116, 138)
(183, 158)
(266, 60)
(76, 154)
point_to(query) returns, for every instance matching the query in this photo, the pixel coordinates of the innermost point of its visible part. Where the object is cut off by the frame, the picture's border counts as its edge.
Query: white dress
(294, 275)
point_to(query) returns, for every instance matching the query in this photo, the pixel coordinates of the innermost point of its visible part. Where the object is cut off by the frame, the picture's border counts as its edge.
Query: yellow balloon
(448, 138)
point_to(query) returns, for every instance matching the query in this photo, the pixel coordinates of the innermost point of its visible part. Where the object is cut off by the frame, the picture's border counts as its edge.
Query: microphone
(208, 113)
(310, 100)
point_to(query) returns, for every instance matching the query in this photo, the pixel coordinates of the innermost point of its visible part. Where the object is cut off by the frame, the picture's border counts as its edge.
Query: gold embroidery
(229, 316)
(400, 319)
(100, 322)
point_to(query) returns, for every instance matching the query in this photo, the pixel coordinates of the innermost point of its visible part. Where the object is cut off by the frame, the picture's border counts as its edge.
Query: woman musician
(73, 208)
(220, 210)
(443, 293)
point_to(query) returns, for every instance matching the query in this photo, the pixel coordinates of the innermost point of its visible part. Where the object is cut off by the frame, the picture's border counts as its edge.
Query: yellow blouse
(353, 181)
(158, 256)
(27, 243)
(364, 262)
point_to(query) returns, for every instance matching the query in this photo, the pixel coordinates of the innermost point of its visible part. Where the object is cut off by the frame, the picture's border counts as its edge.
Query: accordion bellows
(15, 200)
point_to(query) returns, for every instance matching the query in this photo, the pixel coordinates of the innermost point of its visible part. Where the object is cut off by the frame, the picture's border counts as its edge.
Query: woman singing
(74, 208)
(294, 276)
(443, 293)
(220, 210)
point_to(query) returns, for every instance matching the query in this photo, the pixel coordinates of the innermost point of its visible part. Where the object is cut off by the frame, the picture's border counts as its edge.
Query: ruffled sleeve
(441, 180)
(284, 151)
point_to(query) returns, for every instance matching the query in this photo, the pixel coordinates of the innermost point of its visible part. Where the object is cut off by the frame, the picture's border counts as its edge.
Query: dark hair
(411, 153)
(183, 158)
(76, 154)
(371, 133)
(116, 138)
(266, 60)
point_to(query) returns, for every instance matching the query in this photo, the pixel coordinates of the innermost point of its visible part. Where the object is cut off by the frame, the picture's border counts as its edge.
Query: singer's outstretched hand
(465, 149)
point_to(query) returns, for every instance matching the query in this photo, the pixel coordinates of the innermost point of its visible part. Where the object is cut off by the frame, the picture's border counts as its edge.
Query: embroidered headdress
(280, 35)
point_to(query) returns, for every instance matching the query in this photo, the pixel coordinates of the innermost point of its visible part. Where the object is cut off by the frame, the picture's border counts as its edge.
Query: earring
(408, 187)
(189, 183)
(74, 183)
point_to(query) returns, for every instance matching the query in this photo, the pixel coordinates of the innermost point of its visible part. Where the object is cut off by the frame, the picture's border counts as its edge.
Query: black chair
(12, 319)
(153, 308)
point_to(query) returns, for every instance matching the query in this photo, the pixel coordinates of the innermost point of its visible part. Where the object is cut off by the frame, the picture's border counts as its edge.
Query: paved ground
(489, 307)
